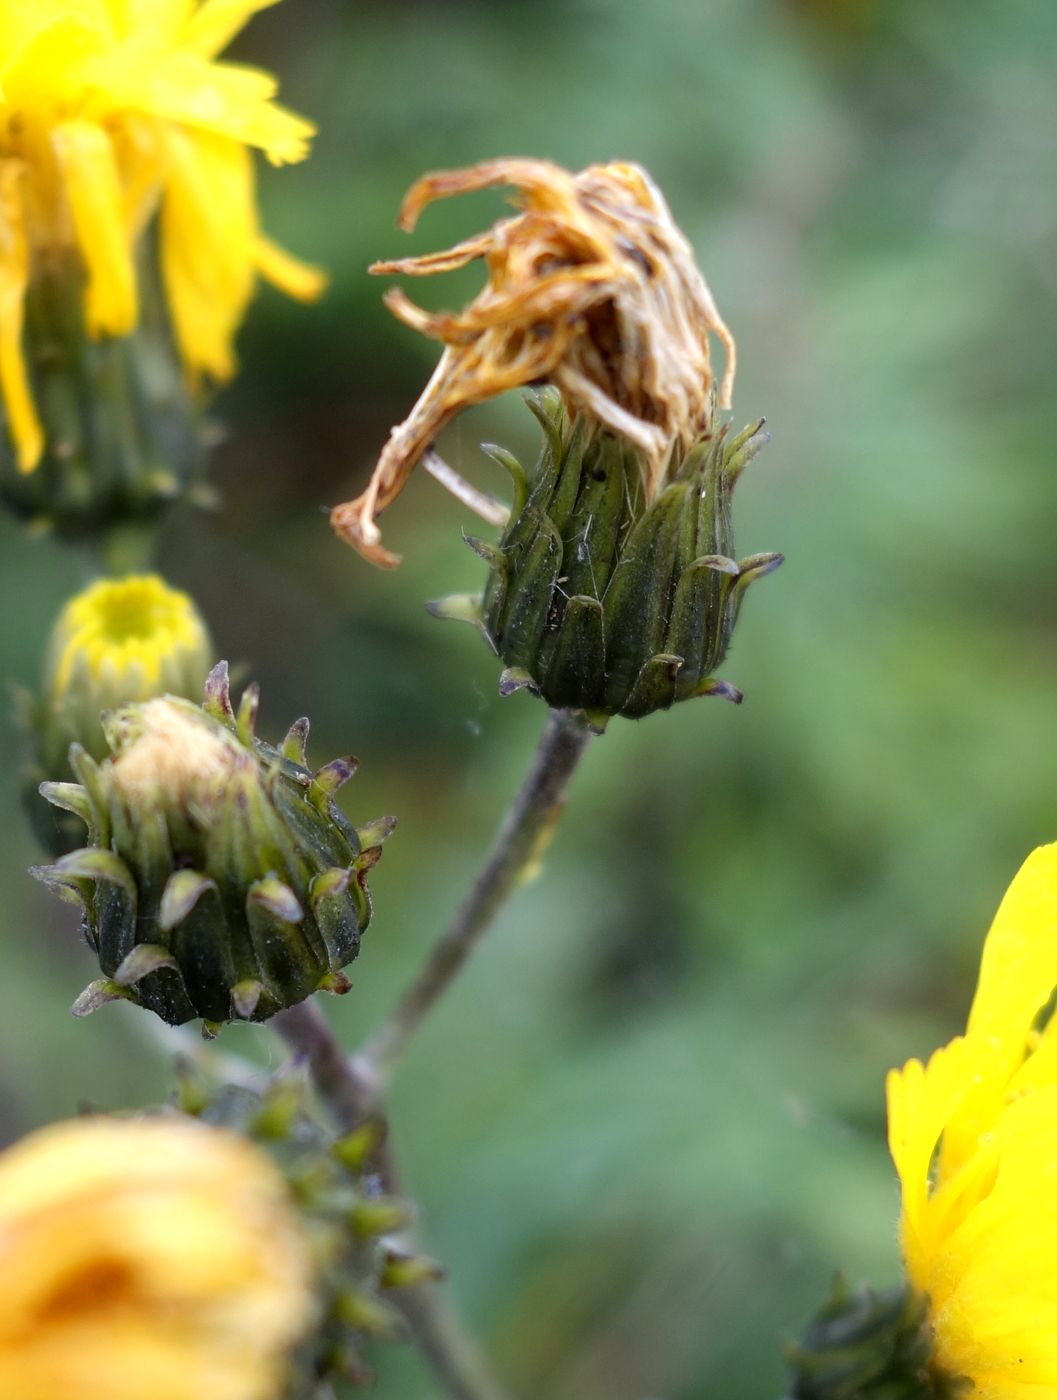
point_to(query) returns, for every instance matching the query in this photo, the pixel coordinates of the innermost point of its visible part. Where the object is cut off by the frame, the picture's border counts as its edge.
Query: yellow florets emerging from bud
(129, 639)
(111, 112)
(973, 1134)
(120, 640)
(155, 1257)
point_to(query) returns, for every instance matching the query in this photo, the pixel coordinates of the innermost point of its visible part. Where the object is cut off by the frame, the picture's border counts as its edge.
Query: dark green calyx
(357, 1230)
(866, 1346)
(123, 438)
(219, 879)
(604, 597)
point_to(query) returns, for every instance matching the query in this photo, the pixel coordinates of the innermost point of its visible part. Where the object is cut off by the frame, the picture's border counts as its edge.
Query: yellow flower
(130, 636)
(153, 1258)
(112, 110)
(592, 287)
(974, 1138)
(119, 640)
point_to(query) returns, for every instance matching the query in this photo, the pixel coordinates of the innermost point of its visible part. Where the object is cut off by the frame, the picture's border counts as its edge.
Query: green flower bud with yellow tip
(119, 640)
(605, 597)
(219, 879)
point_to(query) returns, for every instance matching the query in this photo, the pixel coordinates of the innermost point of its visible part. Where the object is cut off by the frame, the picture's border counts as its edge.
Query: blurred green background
(648, 1123)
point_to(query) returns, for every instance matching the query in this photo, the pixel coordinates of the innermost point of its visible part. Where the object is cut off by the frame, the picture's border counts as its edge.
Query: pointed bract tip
(217, 696)
(246, 722)
(97, 994)
(513, 679)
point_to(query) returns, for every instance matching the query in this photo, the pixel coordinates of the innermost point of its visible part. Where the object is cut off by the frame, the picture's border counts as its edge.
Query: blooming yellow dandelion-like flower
(974, 1137)
(111, 111)
(592, 287)
(155, 1257)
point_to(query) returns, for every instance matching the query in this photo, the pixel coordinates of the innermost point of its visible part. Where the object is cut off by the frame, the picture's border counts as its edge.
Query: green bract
(219, 879)
(602, 600)
(865, 1346)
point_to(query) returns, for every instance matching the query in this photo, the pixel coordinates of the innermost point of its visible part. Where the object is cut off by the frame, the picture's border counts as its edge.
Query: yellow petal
(46, 50)
(1039, 1070)
(301, 280)
(216, 23)
(209, 240)
(159, 20)
(222, 98)
(1001, 1322)
(22, 420)
(921, 1100)
(93, 185)
(1018, 972)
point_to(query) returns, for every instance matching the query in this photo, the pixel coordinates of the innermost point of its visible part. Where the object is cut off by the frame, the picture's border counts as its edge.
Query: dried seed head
(593, 287)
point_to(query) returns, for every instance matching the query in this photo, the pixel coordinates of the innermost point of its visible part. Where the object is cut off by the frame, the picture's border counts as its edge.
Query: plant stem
(345, 1084)
(455, 1359)
(351, 1097)
(353, 1086)
(517, 846)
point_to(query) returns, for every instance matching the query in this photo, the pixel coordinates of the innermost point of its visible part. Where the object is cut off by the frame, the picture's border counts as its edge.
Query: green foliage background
(648, 1123)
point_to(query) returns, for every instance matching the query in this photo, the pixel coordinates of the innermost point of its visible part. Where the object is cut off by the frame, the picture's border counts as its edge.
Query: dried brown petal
(592, 287)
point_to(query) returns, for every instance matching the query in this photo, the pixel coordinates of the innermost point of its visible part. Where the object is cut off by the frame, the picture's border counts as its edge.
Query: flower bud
(219, 879)
(864, 1346)
(152, 1257)
(119, 640)
(608, 596)
(355, 1229)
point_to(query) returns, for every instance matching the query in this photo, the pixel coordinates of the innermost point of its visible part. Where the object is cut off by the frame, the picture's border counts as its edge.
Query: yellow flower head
(111, 110)
(120, 640)
(974, 1138)
(130, 635)
(154, 1258)
(592, 287)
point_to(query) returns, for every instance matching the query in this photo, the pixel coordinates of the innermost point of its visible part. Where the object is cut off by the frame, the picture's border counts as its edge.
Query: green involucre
(219, 879)
(602, 601)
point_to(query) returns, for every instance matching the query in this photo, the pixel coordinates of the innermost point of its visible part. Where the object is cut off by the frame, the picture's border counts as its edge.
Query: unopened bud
(220, 880)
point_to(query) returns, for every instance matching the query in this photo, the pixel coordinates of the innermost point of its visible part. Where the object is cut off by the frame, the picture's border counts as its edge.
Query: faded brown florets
(592, 287)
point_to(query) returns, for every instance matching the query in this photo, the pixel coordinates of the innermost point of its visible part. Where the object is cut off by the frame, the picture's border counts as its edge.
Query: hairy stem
(345, 1085)
(353, 1086)
(517, 846)
(351, 1096)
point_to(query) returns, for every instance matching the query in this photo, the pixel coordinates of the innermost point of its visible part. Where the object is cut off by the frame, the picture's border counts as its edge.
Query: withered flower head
(592, 287)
